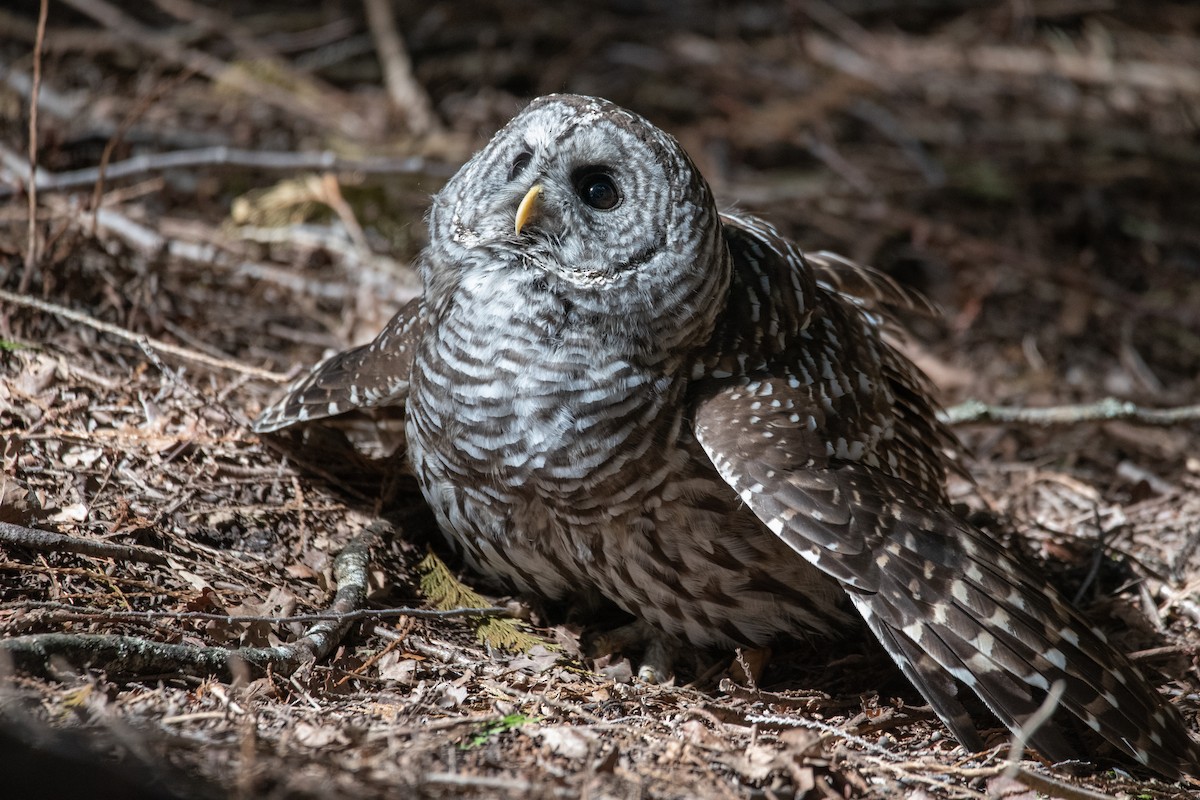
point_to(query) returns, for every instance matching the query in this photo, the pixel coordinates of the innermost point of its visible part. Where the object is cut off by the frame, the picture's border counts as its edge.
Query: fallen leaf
(72, 513)
(566, 740)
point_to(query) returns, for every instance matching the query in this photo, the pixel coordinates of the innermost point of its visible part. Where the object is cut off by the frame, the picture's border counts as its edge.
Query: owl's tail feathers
(951, 607)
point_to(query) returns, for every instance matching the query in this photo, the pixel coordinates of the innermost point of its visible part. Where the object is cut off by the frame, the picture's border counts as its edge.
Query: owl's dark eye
(519, 163)
(597, 188)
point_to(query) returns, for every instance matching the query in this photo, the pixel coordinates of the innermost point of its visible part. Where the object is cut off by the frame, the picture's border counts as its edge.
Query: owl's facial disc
(579, 189)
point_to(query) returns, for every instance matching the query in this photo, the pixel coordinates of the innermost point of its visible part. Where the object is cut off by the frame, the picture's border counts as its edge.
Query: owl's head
(591, 198)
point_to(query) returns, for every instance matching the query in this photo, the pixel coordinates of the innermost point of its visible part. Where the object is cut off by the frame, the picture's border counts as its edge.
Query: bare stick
(268, 160)
(1107, 410)
(1050, 787)
(373, 614)
(407, 94)
(131, 656)
(823, 727)
(180, 352)
(382, 283)
(315, 106)
(32, 255)
(46, 541)
(883, 59)
(1021, 737)
(119, 135)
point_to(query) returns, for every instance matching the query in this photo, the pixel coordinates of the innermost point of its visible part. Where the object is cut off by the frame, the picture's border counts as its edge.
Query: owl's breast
(519, 392)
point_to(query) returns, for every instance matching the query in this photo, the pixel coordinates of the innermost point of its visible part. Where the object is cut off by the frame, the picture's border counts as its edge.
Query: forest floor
(1033, 167)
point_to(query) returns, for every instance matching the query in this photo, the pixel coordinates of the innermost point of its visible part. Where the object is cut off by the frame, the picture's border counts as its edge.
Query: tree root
(47, 654)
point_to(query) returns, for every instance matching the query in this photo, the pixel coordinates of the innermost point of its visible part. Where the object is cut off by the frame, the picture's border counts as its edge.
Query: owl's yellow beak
(528, 205)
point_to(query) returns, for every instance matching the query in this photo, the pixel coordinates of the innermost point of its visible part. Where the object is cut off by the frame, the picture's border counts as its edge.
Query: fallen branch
(46, 541)
(379, 275)
(1107, 410)
(267, 160)
(205, 616)
(132, 657)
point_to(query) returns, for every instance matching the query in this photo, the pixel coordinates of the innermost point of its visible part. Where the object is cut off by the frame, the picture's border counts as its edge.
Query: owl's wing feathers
(373, 375)
(860, 495)
(945, 600)
(866, 287)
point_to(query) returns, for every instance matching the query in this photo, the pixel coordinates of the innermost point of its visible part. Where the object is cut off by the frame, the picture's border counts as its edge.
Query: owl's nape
(612, 389)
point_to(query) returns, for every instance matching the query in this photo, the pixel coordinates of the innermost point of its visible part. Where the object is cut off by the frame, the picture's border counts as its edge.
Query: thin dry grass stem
(406, 623)
(138, 111)
(408, 96)
(318, 108)
(187, 354)
(836, 22)
(1037, 719)
(33, 252)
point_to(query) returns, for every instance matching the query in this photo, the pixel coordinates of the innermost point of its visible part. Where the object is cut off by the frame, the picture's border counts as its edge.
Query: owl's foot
(658, 649)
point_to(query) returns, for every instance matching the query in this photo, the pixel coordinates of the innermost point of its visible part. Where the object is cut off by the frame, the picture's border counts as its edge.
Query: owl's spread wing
(866, 287)
(948, 604)
(375, 374)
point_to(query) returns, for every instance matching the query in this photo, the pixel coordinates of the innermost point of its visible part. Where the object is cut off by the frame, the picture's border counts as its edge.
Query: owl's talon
(658, 660)
(658, 649)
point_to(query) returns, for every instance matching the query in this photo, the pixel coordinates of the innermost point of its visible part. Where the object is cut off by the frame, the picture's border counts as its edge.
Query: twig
(1107, 410)
(316, 106)
(270, 160)
(815, 702)
(382, 278)
(896, 57)
(132, 656)
(407, 94)
(1050, 787)
(326, 188)
(924, 772)
(45, 541)
(511, 785)
(824, 727)
(32, 255)
(161, 88)
(1166, 650)
(1036, 720)
(373, 614)
(139, 339)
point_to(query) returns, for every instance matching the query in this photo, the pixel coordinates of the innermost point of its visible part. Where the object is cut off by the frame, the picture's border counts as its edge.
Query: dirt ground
(1033, 167)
